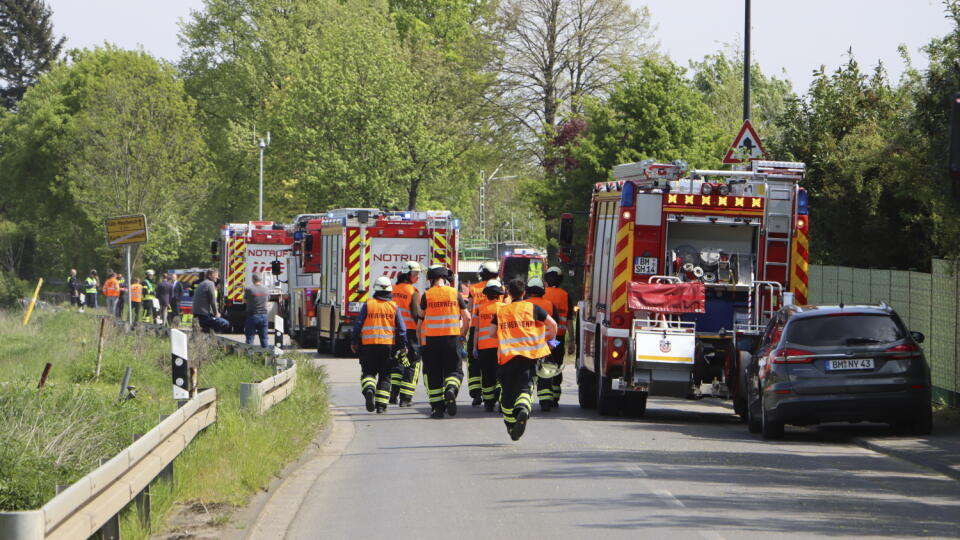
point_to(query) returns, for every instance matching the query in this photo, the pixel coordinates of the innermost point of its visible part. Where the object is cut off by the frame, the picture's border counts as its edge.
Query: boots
(450, 399)
(368, 398)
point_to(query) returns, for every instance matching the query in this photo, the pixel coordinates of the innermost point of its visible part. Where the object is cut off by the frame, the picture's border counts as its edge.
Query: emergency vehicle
(338, 255)
(246, 249)
(682, 270)
(522, 264)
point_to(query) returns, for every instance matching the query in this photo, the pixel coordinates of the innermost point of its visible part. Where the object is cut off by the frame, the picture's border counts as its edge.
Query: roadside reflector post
(179, 359)
(33, 302)
(278, 332)
(44, 375)
(96, 373)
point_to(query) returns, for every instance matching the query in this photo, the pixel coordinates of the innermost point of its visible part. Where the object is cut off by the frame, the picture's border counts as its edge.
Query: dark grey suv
(819, 364)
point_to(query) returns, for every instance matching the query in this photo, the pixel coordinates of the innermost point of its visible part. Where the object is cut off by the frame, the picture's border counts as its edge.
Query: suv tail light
(907, 350)
(792, 356)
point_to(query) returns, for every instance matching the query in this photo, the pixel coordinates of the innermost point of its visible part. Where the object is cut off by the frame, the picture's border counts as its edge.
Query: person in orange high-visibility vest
(444, 327)
(525, 333)
(488, 271)
(485, 346)
(407, 296)
(560, 298)
(535, 290)
(136, 299)
(111, 289)
(378, 328)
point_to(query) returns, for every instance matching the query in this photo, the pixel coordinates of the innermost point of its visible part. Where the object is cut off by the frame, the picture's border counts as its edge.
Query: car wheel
(770, 427)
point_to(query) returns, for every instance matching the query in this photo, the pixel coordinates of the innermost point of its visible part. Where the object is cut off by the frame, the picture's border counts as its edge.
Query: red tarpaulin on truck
(671, 298)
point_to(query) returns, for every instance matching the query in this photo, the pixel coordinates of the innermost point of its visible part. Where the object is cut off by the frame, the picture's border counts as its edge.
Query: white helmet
(382, 284)
(553, 270)
(535, 282)
(150, 272)
(489, 267)
(547, 369)
(410, 266)
(494, 283)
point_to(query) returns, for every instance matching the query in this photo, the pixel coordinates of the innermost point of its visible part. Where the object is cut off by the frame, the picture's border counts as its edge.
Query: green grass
(57, 435)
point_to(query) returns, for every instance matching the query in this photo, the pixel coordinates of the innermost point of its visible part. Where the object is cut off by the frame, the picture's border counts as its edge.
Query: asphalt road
(687, 470)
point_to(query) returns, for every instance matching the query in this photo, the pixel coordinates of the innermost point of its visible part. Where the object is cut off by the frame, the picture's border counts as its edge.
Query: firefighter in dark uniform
(524, 334)
(488, 271)
(443, 331)
(561, 299)
(535, 292)
(407, 296)
(485, 348)
(378, 329)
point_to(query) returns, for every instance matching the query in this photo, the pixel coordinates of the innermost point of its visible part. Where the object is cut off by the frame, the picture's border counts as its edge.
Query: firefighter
(407, 296)
(149, 284)
(485, 347)
(444, 327)
(535, 292)
(488, 271)
(525, 333)
(90, 285)
(377, 329)
(561, 299)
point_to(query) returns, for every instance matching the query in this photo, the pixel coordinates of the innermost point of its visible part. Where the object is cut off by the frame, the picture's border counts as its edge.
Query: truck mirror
(214, 247)
(275, 268)
(308, 243)
(566, 230)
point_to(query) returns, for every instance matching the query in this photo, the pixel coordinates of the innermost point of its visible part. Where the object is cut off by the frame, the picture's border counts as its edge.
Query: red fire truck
(246, 249)
(338, 255)
(682, 269)
(522, 264)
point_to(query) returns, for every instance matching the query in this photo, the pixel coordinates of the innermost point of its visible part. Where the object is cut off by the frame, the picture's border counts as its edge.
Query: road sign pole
(746, 62)
(129, 283)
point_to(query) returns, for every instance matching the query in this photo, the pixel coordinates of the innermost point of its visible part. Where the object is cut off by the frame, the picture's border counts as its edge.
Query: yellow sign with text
(124, 230)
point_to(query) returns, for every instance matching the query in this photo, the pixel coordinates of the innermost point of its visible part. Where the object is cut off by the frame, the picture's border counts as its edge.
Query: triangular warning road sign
(746, 146)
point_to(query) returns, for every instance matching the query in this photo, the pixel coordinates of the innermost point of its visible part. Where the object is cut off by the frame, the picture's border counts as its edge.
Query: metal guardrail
(260, 397)
(90, 503)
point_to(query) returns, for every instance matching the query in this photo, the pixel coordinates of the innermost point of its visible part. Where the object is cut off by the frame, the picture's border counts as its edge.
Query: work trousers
(90, 299)
(549, 389)
(441, 368)
(490, 386)
(474, 377)
(135, 306)
(256, 325)
(173, 318)
(112, 302)
(517, 378)
(376, 363)
(404, 379)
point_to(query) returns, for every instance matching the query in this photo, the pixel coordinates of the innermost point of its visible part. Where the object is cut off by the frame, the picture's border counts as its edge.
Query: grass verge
(56, 435)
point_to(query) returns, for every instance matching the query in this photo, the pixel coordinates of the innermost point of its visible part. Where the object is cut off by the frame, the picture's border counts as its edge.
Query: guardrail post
(142, 499)
(22, 525)
(166, 473)
(249, 396)
(110, 529)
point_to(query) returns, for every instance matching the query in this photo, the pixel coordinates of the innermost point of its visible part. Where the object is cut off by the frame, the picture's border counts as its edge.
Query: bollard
(33, 302)
(44, 375)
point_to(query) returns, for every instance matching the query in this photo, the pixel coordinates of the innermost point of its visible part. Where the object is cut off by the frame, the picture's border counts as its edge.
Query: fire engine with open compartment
(682, 269)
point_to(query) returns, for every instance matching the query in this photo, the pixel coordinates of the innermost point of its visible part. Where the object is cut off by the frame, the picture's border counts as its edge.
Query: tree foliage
(28, 47)
(110, 133)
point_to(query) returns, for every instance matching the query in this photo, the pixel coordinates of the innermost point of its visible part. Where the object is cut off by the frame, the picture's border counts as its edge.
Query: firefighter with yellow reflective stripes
(407, 296)
(485, 347)
(525, 333)
(444, 327)
(488, 271)
(535, 291)
(561, 299)
(379, 328)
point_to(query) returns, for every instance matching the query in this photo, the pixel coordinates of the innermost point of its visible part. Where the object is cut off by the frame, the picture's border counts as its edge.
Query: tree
(28, 47)
(556, 53)
(111, 133)
(720, 80)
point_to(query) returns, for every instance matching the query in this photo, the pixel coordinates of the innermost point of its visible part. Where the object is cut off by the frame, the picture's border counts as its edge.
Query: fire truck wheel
(587, 389)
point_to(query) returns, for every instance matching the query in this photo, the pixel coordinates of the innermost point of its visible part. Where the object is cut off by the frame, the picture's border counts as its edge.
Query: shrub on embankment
(57, 434)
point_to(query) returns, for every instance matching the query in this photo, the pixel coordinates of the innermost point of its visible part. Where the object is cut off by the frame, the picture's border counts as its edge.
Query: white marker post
(181, 370)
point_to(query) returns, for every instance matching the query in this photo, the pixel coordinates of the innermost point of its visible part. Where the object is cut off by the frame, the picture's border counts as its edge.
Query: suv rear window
(853, 329)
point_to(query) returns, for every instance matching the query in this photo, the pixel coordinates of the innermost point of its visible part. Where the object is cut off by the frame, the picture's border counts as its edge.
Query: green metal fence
(927, 303)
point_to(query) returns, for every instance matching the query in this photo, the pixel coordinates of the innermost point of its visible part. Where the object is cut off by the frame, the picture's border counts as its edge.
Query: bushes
(11, 290)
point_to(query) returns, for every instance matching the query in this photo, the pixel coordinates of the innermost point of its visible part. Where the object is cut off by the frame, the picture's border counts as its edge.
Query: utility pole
(746, 62)
(263, 145)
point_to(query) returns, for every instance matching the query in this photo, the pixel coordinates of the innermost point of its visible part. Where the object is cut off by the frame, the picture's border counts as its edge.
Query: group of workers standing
(508, 336)
(148, 297)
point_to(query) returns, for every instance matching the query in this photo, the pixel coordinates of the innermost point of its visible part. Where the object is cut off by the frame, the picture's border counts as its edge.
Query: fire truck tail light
(800, 223)
(618, 342)
(627, 215)
(618, 320)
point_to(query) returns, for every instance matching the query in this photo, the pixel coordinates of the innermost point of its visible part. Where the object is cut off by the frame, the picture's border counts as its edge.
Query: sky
(791, 38)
